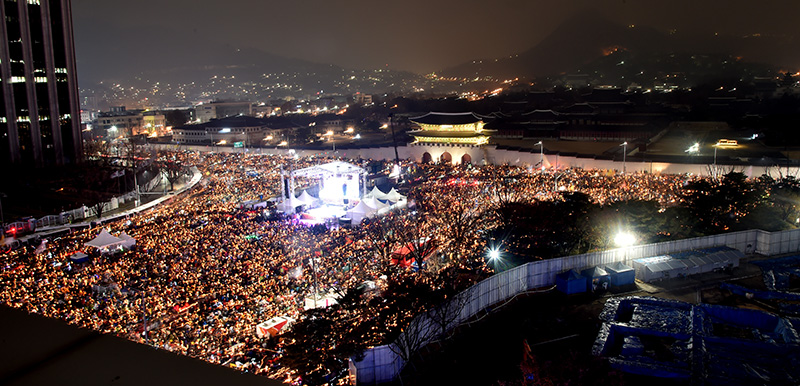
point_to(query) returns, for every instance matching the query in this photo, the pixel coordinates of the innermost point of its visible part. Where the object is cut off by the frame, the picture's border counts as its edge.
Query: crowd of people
(205, 271)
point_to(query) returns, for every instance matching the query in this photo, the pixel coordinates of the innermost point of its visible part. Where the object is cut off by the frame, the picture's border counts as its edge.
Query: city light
(694, 148)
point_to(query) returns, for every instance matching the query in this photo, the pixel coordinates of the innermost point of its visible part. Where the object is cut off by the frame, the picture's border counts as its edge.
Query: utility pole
(624, 155)
(541, 154)
(714, 171)
(394, 139)
(314, 268)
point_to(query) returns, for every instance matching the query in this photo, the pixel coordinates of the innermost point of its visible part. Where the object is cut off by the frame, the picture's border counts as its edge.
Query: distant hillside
(585, 38)
(167, 66)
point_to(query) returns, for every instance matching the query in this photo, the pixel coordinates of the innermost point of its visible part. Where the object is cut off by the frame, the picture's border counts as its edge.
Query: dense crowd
(205, 271)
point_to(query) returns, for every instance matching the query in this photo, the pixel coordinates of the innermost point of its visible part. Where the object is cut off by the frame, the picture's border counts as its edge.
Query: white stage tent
(374, 204)
(288, 205)
(104, 240)
(127, 240)
(377, 193)
(393, 196)
(306, 198)
(359, 212)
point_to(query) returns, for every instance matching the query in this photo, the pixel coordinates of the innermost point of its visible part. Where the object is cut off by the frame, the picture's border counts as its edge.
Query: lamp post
(624, 240)
(624, 155)
(394, 139)
(714, 169)
(541, 154)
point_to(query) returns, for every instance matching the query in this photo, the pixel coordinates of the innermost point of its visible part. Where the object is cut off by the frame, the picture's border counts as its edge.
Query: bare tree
(415, 336)
(445, 315)
(458, 217)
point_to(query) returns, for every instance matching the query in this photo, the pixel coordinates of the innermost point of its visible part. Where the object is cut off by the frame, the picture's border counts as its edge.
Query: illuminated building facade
(39, 112)
(450, 128)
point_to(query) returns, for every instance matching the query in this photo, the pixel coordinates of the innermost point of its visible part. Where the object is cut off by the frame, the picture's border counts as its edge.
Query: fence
(85, 212)
(382, 364)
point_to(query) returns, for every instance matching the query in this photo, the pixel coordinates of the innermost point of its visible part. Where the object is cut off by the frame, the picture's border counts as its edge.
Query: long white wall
(480, 155)
(382, 365)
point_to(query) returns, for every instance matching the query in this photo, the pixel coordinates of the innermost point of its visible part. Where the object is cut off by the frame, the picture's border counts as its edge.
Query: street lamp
(714, 170)
(624, 239)
(624, 155)
(541, 153)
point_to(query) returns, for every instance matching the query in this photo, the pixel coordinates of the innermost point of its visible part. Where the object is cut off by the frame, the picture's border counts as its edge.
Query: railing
(382, 364)
(84, 212)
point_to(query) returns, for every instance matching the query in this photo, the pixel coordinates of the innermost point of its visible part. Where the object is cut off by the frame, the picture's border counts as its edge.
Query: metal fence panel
(385, 366)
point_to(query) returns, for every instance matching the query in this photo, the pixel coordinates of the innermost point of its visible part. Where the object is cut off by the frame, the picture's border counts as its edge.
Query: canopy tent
(357, 213)
(273, 326)
(127, 241)
(405, 256)
(288, 205)
(323, 301)
(620, 274)
(306, 198)
(377, 193)
(104, 240)
(393, 196)
(79, 257)
(570, 282)
(374, 203)
(596, 278)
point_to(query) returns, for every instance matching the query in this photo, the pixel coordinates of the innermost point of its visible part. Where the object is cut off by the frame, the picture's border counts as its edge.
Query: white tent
(127, 240)
(288, 205)
(377, 193)
(306, 198)
(374, 203)
(323, 301)
(360, 211)
(393, 196)
(104, 240)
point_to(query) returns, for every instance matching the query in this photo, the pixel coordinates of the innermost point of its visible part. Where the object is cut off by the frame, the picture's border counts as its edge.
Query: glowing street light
(541, 153)
(494, 254)
(693, 149)
(624, 239)
(624, 154)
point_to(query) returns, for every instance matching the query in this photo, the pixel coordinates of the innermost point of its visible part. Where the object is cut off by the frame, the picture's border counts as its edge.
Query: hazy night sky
(415, 35)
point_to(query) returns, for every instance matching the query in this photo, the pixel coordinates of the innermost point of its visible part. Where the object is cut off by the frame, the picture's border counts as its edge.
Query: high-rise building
(39, 112)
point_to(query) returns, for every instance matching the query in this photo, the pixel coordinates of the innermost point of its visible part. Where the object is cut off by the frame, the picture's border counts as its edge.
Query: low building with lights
(247, 131)
(205, 112)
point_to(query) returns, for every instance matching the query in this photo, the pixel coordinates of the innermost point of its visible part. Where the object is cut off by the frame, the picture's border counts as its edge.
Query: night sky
(415, 35)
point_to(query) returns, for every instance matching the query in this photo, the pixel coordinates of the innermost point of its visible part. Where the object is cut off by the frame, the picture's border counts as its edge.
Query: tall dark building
(39, 112)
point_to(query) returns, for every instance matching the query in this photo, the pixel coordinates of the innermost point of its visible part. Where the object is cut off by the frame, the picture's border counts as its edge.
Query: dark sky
(417, 35)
